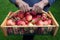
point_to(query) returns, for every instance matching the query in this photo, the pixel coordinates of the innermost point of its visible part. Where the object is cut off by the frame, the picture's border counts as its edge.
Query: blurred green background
(6, 6)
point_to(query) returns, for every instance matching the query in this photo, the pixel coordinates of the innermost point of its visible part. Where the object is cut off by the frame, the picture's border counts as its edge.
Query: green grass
(6, 6)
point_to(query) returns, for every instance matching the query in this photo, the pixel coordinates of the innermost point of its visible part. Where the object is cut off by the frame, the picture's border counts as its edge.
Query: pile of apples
(28, 18)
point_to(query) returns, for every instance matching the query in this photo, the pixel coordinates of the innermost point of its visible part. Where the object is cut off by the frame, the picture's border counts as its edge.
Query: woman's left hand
(38, 7)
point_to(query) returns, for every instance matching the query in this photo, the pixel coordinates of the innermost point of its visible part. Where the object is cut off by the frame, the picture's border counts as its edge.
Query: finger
(21, 7)
(35, 8)
(27, 8)
(24, 9)
(39, 9)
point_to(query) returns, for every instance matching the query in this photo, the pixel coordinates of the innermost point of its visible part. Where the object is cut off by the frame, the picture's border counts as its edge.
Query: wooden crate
(55, 25)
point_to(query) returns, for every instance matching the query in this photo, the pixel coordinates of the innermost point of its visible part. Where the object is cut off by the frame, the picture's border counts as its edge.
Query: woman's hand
(22, 5)
(38, 7)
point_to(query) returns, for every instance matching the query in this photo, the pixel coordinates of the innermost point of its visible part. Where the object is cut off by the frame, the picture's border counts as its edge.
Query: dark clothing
(32, 2)
(28, 37)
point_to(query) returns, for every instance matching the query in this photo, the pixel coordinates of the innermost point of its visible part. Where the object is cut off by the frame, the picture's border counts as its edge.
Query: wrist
(18, 1)
(45, 2)
(42, 3)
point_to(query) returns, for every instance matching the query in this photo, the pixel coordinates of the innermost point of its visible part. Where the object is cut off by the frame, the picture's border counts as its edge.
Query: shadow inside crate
(27, 31)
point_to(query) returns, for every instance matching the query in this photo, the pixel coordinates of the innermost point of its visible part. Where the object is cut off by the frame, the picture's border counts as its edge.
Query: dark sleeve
(51, 2)
(13, 1)
(46, 8)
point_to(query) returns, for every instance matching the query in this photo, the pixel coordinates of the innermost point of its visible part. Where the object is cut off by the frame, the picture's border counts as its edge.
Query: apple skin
(28, 17)
(20, 22)
(40, 22)
(44, 17)
(38, 16)
(24, 19)
(49, 21)
(10, 22)
(34, 20)
(33, 13)
(20, 14)
(46, 23)
(27, 13)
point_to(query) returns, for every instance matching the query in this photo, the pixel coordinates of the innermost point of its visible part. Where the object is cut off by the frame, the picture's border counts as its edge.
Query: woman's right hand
(22, 5)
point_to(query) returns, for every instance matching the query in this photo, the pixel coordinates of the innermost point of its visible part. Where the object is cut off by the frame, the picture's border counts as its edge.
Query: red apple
(33, 13)
(46, 23)
(20, 14)
(49, 21)
(44, 17)
(40, 22)
(26, 22)
(10, 22)
(28, 17)
(43, 14)
(27, 13)
(24, 19)
(38, 16)
(20, 22)
(34, 20)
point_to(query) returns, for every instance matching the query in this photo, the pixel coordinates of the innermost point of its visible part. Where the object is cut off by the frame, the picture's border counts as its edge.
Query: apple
(39, 22)
(26, 22)
(20, 22)
(20, 14)
(38, 16)
(27, 13)
(44, 17)
(33, 13)
(46, 23)
(34, 20)
(28, 17)
(24, 19)
(43, 14)
(49, 21)
(30, 24)
(10, 22)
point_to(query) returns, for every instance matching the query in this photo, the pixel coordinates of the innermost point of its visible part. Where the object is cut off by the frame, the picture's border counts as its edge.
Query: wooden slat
(32, 26)
(4, 31)
(55, 22)
(54, 19)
